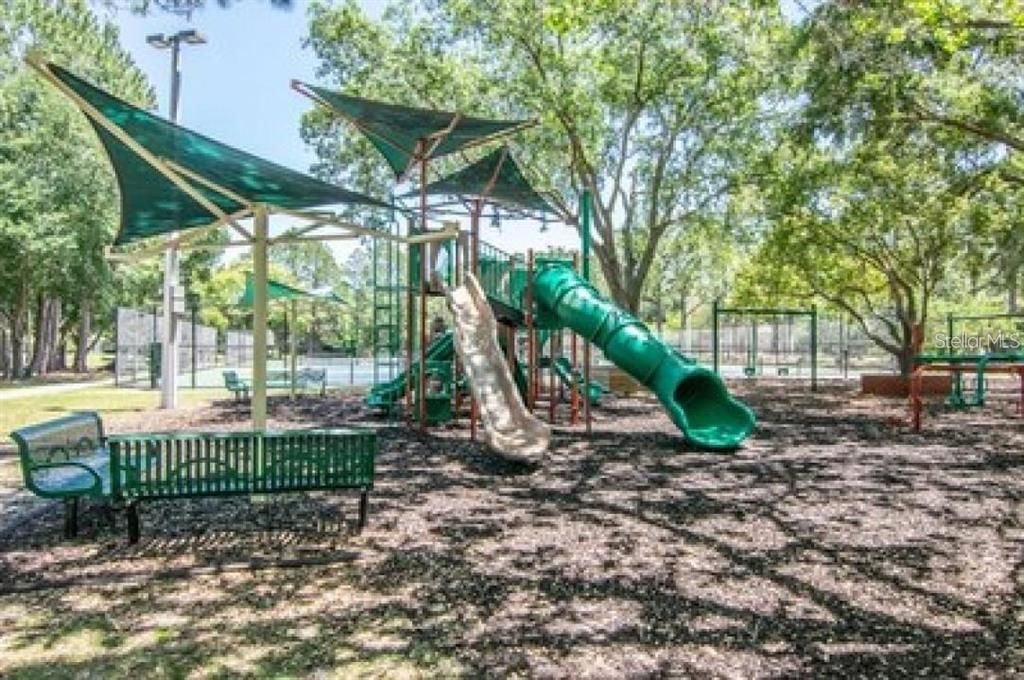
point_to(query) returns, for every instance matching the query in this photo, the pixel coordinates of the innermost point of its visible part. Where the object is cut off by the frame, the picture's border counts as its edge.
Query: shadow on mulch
(832, 544)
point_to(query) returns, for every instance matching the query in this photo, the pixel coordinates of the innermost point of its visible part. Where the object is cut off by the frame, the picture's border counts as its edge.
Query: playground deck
(831, 545)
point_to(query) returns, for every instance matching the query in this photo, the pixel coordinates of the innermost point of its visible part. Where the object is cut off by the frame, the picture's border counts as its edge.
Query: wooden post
(259, 318)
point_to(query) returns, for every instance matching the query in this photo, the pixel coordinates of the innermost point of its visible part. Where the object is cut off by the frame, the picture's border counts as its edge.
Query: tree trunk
(45, 335)
(18, 331)
(84, 330)
(5, 357)
(40, 354)
(59, 339)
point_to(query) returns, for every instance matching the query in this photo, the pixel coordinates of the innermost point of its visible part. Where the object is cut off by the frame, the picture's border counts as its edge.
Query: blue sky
(236, 88)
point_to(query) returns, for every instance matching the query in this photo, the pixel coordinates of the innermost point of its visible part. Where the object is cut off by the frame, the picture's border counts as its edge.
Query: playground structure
(177, 183)
(542, 295)
(978, 365)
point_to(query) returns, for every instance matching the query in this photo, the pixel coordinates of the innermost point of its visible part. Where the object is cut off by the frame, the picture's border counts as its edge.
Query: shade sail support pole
(169, 341)
(261, 230)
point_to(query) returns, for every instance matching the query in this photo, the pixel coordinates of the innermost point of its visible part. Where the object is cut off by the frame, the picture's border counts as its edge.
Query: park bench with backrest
(236, 385)
(306, 378)
(70, 458)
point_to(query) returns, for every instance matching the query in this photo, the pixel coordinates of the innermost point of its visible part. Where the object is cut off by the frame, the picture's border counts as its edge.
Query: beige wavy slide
(509, 428)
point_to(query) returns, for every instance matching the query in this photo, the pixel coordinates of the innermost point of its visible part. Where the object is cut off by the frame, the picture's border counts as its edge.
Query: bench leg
(70, 517)
(133, 522)
(364, 503)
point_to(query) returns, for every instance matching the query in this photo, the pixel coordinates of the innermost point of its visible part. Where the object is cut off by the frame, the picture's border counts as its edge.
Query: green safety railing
(497, 270)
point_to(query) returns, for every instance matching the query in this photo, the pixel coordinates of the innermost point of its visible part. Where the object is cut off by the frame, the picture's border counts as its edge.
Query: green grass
(53, 378)
(15, 413)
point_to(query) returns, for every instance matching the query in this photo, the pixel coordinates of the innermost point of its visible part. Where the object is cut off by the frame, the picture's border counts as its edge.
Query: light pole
(169, 351)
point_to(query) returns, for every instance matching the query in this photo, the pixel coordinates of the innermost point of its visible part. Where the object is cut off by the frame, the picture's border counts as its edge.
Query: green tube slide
(386, 394)
(694, 397)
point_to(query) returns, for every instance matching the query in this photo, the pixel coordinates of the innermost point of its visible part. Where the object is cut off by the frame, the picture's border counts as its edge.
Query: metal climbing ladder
(387, 307)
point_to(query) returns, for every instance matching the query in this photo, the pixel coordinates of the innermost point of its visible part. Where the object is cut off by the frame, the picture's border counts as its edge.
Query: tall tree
(872, 229)
(648, 104)
(57, 194)
(947, 69)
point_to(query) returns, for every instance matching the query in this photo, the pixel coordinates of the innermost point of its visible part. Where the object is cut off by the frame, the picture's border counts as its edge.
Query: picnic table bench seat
(70, 458)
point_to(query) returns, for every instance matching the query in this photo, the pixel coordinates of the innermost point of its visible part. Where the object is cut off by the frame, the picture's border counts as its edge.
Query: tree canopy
(652, 106)
(862, 156)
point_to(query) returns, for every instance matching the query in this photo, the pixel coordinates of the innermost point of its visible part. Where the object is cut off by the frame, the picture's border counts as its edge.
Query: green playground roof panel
(151, 204)
(399, 133)
(282, 291)
(497, 178)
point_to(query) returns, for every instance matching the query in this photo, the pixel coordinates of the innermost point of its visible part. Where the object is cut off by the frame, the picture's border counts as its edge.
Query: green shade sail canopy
(230, 179)
(497, 178)
(406, 134)
(282, 291)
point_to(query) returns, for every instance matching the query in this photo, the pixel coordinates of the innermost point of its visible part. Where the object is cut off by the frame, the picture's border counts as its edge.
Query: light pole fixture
(173, 42)
(169, 367)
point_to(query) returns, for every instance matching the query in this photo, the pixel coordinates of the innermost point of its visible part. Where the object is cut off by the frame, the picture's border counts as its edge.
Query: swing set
(754, 363)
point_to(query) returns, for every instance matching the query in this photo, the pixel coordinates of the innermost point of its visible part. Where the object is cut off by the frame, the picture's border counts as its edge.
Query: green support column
(714, 335)
(293, 350)
(753, 346)
(949, 332)
(259, 318)
(814, 348)
(956, 396)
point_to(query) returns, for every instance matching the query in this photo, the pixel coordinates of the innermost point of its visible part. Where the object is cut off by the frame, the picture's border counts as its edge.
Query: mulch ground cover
(834, 543)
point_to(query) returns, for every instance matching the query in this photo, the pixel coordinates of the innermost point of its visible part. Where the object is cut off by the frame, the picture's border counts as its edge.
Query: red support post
(916, 405)
(422, 387)
(551, 377)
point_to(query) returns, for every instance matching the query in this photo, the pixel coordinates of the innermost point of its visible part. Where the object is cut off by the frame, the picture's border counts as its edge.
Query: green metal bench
(304, 379)
(236, 385)
(66, 459)
(128, 469)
